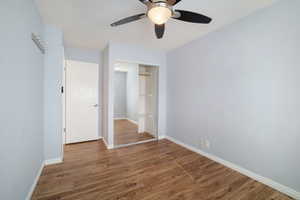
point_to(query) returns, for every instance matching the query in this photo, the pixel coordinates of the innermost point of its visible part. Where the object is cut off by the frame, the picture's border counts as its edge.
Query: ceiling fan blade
(147, 2)
(159, 30)
(188, 16)
(173, 2)
(129, 19)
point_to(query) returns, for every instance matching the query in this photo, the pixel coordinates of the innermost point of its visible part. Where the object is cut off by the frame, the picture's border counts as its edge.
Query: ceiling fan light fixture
(159, 14)
(160, 11)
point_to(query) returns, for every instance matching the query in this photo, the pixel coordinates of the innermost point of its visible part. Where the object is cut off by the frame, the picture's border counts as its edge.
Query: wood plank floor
(126, 132)
(159, 170)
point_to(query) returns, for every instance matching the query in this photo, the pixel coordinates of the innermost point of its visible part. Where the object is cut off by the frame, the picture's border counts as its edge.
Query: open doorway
(135, 103)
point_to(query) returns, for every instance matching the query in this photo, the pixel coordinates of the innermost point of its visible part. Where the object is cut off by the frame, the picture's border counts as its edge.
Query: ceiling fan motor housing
(160, 4)
(156, 1)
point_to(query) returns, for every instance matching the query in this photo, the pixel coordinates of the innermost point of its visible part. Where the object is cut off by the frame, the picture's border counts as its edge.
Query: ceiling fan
(160, 11)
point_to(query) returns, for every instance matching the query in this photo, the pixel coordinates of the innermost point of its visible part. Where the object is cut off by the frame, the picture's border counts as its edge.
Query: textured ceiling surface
(86, 23)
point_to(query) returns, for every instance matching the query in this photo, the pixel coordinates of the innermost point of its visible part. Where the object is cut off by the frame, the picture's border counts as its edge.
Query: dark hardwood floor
(152, 171)
(126, 132)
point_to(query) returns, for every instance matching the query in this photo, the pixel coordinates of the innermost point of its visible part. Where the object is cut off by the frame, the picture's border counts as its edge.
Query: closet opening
(135, 103)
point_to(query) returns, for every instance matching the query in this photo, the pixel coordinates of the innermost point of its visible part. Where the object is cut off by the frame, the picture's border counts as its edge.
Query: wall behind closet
(132, 85)
(120, 95)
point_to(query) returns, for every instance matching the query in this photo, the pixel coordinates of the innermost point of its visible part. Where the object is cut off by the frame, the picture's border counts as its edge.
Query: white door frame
(64, 103)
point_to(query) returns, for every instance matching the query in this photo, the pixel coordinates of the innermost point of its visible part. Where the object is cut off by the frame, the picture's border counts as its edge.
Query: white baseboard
(53, 161)
(107, 146)
(161, 137)
(134, 122)
(30, 193)
(269, 182)
(46, 162)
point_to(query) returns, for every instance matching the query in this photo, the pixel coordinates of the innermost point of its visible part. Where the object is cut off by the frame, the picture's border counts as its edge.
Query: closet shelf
(145, 74)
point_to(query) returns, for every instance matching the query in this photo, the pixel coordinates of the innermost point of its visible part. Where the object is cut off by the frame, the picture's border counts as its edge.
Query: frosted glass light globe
(159, 14)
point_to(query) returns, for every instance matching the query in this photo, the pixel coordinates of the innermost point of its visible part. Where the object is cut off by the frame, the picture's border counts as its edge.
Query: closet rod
(144, 74)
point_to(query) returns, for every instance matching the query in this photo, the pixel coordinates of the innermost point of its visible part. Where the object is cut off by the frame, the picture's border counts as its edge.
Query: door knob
(95, 105)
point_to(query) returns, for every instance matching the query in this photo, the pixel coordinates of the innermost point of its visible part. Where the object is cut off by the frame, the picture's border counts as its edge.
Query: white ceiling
(86, 23)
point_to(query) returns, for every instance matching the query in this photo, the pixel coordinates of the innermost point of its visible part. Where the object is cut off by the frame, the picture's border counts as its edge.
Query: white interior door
(81, 101)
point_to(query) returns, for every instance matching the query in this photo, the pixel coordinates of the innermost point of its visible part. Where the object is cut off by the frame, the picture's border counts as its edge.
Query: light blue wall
(132, 84)
(21, 101)
(53, 76)
(120, 94)
(84, 55)
(106, 98)
(239, 88)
